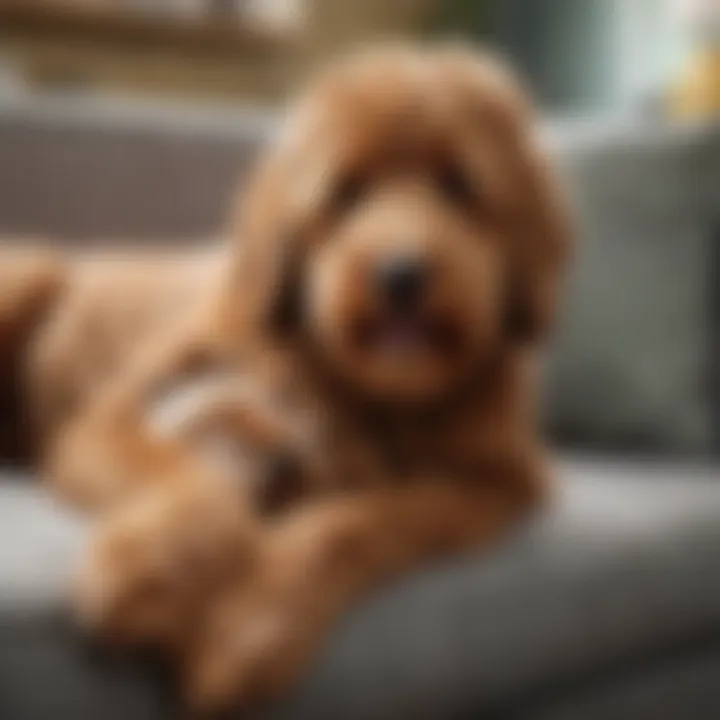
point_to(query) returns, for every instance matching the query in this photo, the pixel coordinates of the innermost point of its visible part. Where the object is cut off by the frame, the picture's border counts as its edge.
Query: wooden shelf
(113, 23)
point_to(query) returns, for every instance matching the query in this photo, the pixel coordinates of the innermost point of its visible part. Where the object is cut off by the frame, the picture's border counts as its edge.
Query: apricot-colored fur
(425, 418)
(71, 320)
(114, 304)
(158, 557)
(430, 154)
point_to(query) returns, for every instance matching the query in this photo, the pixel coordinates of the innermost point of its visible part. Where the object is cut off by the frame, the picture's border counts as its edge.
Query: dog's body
(72, 321)
(225, 457)
(113, 305)
(394, 267)
(401, 251)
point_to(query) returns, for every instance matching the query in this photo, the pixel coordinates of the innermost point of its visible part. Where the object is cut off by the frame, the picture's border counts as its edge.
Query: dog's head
(406, 224)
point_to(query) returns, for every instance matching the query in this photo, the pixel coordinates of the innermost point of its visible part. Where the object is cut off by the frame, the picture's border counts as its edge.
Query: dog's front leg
(103, 456)
(319, 560)
(111, 448)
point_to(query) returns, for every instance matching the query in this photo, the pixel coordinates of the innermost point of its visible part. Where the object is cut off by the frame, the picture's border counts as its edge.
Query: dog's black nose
(403, 280)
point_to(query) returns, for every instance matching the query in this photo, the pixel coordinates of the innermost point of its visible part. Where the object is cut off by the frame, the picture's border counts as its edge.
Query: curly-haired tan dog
(402, 249)
(397, 264)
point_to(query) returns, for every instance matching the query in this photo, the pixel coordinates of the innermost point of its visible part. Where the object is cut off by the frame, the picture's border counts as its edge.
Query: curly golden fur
(114, 303)
(404, 158)
(407, 156)
(395, 265)
(72, 320)
(228, 463)
(157, 557)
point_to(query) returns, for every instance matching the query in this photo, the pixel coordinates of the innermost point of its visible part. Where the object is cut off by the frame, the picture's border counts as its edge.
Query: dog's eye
(348, 193)
(455, 185)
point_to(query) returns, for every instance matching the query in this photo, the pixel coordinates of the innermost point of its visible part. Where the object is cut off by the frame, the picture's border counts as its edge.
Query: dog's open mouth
(407, 334)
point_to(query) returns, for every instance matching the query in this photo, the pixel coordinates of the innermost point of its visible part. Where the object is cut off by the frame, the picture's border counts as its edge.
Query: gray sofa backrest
(635, 360)
(95, 171)
(635, 364)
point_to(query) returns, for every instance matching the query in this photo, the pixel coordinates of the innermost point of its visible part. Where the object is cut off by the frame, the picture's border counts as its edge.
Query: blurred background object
(245, 49)
(596, 54)
(697, 93)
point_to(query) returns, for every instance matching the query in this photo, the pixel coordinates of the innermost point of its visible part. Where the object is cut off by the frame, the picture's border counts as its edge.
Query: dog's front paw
(152, 564)
(252, 650)
(259, 636)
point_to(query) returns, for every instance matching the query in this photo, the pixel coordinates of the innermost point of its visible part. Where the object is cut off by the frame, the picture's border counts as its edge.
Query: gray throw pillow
(630, 369)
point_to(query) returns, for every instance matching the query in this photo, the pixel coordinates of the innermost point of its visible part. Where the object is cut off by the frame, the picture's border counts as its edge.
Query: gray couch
(607, 607)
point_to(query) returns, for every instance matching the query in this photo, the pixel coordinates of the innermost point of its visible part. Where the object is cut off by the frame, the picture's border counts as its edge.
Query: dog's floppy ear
(535, 216)
(541, 236)
(265, 281)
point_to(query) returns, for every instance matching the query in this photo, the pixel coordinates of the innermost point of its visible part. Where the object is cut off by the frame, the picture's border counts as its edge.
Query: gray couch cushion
(618, 580)
(667, 689)
(47, 673)
(632, 364)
